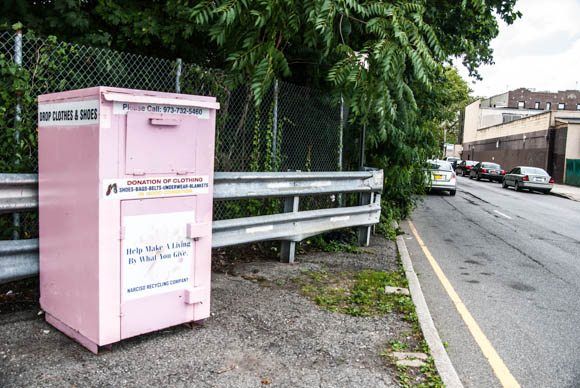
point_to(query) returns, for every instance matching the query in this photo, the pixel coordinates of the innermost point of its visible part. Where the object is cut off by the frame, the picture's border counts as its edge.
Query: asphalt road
(514, 260)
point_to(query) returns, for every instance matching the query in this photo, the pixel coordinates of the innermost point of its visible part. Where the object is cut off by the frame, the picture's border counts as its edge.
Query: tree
(445, 102)
(386, 58)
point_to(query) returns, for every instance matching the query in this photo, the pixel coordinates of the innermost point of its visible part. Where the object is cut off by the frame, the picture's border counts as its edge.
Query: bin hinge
(195, 295)
(122, 233)
(197, 231)
(138, 172)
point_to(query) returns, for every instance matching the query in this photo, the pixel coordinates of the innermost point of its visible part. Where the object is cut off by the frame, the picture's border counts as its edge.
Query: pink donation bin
(126, 187)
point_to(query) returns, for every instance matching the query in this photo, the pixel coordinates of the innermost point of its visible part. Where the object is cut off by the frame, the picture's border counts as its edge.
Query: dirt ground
(262, 332)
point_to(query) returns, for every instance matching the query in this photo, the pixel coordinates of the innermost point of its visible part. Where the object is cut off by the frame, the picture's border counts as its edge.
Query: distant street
(514, 260)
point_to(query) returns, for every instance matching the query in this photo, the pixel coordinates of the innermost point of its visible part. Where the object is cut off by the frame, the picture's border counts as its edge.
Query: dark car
(464, 167)
(453, 160)
(487, 170)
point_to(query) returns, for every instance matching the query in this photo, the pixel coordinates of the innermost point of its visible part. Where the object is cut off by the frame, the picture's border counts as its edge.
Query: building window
(577, 106)
(537, 105)
(548, 105)
(509, 117)
(561, 106)
(521, 104)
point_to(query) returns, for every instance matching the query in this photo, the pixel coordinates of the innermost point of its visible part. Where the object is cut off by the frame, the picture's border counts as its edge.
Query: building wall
(470, 122)
(540, 122)
(490, 117)
(573, 141)
(475, 118)
(557, 166)
(499, 101)
(570, 97)
(533, 123)
(511, 150)
(563, 115)
(536, 140)
(456, 151)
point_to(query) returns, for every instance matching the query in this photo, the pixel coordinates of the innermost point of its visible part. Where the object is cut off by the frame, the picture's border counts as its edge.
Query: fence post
(178, 76)
(17, 121)
(288, 248)
(341, 198)
(341, 133)
(275, 123)
(363, 137)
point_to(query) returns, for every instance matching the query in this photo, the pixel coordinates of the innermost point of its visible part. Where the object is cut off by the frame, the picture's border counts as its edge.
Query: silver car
(440, 176)
(531, 178)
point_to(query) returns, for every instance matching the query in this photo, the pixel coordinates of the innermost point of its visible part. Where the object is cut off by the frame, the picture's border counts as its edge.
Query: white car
(531, 178)
(441, 177)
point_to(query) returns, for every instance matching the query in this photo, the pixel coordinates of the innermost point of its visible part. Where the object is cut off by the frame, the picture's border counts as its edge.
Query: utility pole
(444, 142)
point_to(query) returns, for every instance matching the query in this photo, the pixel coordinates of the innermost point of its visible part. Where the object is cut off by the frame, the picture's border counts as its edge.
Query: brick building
(506, 130)
(523, 98)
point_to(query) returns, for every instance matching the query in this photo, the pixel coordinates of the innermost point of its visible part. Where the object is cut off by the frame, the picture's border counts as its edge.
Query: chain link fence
(294, 128)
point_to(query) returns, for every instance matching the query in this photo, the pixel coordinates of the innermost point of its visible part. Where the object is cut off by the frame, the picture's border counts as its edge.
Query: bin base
(72, 333)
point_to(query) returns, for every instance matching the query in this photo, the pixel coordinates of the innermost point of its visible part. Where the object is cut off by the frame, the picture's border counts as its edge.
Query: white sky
(541, 50)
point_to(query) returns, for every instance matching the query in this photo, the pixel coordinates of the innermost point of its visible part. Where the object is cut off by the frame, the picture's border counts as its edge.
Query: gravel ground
(262, 333)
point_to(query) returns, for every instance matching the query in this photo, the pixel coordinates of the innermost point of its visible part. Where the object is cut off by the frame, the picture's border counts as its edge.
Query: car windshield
(439, 165)
(491, 165)
(471, 163)
(533, 171)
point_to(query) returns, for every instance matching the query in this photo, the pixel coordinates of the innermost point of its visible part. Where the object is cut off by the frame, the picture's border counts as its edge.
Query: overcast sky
(541, 50)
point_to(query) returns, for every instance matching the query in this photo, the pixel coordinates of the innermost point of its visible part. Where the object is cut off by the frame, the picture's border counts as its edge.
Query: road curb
(442, 362)
(562, 195)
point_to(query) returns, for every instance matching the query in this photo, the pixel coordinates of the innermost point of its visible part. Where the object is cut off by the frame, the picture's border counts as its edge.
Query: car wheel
(504, 184)
(547, 191)
(452, 193)
(517, 186)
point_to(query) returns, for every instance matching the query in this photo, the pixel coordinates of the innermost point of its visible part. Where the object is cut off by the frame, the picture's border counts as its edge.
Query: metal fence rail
(18, 192)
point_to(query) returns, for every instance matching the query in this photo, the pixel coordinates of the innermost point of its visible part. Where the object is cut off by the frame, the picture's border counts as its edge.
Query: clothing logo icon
(111, 189)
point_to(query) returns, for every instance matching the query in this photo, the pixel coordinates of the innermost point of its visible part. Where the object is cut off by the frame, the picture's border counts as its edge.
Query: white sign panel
(122, 108)
(154, 187)
(157, 256)
(68, 113)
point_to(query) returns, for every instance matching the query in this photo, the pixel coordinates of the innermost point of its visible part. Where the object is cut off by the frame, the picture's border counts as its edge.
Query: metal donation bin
(125, 194)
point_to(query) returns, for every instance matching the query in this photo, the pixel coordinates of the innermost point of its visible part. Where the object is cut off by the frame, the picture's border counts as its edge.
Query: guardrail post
(288, 248)
(364, 232)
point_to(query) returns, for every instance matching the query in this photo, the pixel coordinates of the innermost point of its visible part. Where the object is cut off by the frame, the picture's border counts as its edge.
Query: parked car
(487, 170)
(453, 160)
(440, 176)
(464, 167)
(531, 178)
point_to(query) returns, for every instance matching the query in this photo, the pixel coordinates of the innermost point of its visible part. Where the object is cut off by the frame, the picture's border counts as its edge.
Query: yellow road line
(499, 368)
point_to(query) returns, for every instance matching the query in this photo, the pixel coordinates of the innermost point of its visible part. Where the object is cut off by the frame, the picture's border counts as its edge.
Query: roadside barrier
(18, 193)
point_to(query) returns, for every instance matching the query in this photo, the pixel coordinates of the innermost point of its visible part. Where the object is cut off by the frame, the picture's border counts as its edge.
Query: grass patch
(357, 293)
(362, 293)
(335, 241)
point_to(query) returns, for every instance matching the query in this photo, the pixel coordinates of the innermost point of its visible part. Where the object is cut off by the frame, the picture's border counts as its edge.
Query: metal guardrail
(18, 192)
